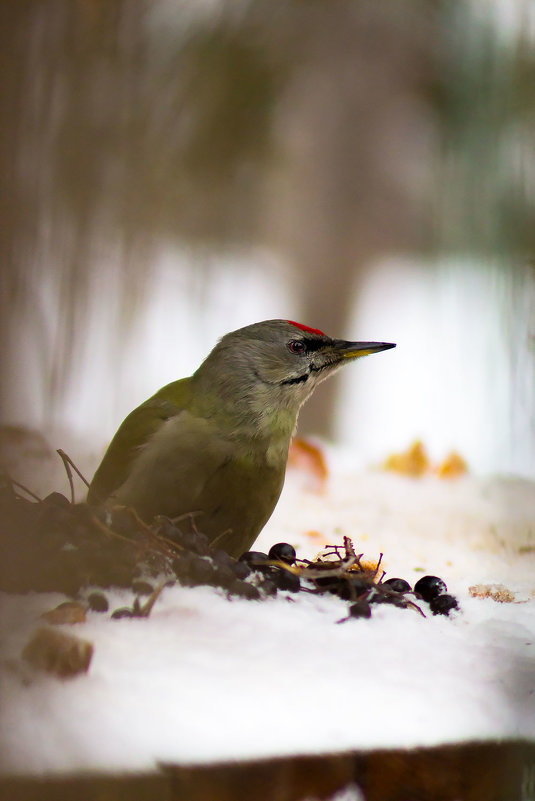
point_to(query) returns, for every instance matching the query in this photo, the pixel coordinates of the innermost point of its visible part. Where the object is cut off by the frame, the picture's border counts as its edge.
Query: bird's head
(277, 362)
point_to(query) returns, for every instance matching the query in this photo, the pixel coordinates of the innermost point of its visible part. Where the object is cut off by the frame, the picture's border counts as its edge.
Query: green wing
(133, 433)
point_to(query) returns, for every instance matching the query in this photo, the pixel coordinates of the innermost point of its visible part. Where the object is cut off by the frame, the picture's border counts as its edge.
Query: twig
(110, 532)
(329, 572)
(348, 545)
(297, 571)
(175, 520)
(377, 565)
(412, 605)
(145, 610)
(150, 532)
(30, 493)
(67, 465)
(66, 456)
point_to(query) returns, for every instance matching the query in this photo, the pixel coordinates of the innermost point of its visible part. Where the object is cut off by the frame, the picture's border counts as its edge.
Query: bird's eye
(297, 346)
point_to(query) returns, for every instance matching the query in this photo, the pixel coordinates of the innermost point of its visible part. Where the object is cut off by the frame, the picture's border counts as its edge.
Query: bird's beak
(354, 350)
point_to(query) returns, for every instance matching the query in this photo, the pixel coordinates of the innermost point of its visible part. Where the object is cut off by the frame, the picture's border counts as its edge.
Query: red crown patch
(307, 328)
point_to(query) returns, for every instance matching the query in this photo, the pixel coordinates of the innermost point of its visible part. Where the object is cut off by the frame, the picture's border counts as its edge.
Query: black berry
(398, 584)
(194, 570)
(98, 602)
(57, 499)
(222, 558)
(282, 551)
(268, 587)
(443, 604)
(124, 611)
(360, 609)
(202, 544)
(194, 542)
(430, 587)
(241, 570)
(254, 558)
(123, 521)
(286, 580)
(223, 577)
(393, 598)
(350, 588)
(244, 590)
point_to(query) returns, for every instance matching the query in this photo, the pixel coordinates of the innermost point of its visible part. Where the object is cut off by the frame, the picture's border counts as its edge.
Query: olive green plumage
(215, 445)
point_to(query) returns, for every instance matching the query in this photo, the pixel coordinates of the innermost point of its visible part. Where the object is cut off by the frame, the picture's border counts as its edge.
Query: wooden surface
(470, 772)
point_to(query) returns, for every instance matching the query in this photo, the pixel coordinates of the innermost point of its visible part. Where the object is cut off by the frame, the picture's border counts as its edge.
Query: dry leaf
(413, 462)
(495, 591)
(453, 466)
(316, 535)
(309, 459)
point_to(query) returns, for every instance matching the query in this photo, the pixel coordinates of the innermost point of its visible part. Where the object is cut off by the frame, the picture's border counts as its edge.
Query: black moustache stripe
(299, 380)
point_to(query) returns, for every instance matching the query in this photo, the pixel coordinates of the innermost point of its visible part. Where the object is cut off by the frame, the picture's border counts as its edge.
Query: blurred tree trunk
(313, 129)
(353, 190)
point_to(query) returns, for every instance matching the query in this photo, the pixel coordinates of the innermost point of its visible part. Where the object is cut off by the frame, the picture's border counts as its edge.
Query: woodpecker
(214, 446)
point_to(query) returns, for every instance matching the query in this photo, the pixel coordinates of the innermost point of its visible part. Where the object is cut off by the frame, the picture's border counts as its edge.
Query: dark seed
(142, 587)
(360, 609)
(443, 604)
(398, 584)
(430, 587)
(283, 551)
(124, 611)
(98, 602)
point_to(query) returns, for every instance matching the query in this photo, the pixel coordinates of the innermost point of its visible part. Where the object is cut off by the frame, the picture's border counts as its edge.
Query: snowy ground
(205, 679)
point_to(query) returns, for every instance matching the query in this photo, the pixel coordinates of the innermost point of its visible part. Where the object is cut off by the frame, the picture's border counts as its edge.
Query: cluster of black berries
(348, 579)
(54, 545)
(276, 576)
(433, 590)
(252, 577)
(396, 591)
(198, 564)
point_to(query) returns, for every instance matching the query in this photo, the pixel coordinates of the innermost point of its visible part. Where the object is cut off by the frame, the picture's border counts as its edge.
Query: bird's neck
(256, 415)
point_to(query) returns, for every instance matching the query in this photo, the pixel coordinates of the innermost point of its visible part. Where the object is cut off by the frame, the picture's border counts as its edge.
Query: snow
(206, 679)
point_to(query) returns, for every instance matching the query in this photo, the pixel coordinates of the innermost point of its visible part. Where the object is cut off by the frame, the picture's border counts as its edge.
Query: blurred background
(175, 169)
